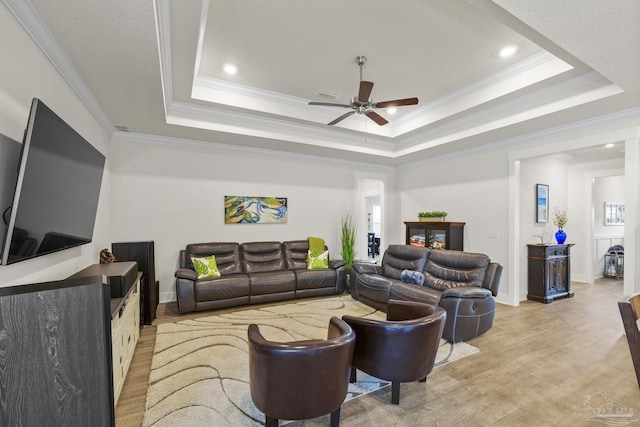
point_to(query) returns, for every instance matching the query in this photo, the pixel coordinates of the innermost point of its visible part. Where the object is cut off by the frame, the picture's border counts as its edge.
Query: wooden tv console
(125, 331)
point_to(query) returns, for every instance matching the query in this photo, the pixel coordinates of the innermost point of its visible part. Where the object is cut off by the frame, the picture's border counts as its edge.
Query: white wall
(472, 189)
(173, 193)
(26, 74)
(551, 171)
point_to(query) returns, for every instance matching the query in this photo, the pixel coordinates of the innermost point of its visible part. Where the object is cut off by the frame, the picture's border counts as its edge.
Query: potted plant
(560, 220)
(348, 241)
(432, 216)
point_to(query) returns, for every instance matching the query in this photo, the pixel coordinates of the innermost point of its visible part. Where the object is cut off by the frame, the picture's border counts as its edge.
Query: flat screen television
(57, 189)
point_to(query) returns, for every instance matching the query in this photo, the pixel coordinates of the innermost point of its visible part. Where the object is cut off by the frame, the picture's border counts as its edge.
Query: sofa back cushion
(295, 254)
(261, 257)
(450, 269)
(227, 256)
(403, 257)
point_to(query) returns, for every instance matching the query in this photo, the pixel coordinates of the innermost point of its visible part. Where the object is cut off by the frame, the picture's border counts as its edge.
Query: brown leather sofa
(253, 273)
(463, 283)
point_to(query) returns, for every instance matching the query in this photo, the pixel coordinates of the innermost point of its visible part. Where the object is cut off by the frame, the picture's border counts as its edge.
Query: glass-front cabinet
(435, 235)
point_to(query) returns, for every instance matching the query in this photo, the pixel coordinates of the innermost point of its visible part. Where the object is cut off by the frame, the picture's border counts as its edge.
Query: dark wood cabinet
(549, 272)
(435, 235)
(143, 254)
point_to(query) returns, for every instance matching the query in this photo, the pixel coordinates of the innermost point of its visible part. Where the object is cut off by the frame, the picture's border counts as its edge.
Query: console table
(549, 272)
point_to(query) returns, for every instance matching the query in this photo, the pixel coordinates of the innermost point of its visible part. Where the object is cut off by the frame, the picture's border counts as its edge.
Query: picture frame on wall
(542, 203)
(255, 210)
(613, 213)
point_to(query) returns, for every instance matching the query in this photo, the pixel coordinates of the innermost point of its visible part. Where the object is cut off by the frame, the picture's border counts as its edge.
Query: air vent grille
(327, 94)
(122, 128)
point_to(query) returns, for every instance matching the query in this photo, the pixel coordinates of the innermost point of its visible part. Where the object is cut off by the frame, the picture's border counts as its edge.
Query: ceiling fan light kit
(362, 104)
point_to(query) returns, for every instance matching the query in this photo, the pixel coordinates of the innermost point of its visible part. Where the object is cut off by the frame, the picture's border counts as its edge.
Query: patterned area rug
(199, 372)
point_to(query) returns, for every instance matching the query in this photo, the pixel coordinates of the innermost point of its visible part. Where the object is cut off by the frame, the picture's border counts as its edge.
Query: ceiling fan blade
(377, 118)
(341, 118)
(396, 103)
(330, 104)
(365, 91)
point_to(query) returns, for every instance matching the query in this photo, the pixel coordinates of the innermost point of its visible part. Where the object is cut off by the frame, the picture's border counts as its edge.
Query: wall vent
(122, 128)
(327, 94)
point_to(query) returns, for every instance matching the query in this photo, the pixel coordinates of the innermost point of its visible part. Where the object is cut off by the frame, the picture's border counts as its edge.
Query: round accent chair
(302, 379)
(401, 349)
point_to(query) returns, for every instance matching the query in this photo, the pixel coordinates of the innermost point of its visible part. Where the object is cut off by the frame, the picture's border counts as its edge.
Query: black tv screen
(57, 190)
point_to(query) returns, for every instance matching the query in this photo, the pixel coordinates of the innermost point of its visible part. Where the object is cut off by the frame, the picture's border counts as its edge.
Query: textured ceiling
(156, 67)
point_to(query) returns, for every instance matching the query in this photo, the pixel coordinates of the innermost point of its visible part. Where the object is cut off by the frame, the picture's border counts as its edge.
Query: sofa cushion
(314, 279)
(317, 260)
(227, 256)
(272, 282)
(205, 267)
(295, 254)
(403, 257)
(262, 257)
(409, 292)
(450, 269)
(221, 288)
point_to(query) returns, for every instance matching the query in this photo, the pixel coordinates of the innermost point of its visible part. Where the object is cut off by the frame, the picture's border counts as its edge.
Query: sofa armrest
(186, 273)
(492, 278)
(336, 263)
(466, 292)
(366, 268)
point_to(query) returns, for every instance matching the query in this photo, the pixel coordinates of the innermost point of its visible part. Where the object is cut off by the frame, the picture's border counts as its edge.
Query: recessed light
(392, 110)
(508, 51)
(230, 69)
(610, 145)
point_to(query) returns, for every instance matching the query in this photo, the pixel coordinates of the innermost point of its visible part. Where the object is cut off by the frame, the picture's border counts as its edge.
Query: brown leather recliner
(302, 379)
(401, 349)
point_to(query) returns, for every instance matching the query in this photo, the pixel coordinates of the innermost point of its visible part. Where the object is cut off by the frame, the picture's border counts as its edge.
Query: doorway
(371, 223)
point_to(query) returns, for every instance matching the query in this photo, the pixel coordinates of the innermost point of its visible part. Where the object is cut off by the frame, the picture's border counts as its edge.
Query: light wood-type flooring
(537, 366)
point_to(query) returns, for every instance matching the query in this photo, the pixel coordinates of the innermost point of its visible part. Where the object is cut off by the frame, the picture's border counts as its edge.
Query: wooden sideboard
(549, 272)
(125, 331)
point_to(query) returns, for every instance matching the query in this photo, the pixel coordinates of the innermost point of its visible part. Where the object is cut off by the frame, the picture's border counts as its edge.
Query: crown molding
(30, 21)
(222, 147)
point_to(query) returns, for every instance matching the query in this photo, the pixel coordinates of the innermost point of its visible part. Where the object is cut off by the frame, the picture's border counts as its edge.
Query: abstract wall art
(255, 210)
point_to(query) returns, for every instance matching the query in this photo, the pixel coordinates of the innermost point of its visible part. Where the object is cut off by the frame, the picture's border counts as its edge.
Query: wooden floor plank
(537, 366)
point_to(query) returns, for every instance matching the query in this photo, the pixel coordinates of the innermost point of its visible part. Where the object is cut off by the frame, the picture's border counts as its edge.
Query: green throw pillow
(316, 244)
(206, 267)
(317, 260)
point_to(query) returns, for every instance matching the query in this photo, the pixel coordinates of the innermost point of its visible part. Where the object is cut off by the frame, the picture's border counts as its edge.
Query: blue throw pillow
(413, 277)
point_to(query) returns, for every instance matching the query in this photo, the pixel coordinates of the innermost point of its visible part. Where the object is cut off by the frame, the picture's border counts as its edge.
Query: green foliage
(431, 214)
(348, 239)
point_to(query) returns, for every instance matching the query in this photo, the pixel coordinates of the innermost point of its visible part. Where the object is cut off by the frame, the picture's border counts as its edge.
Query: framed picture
(255, 210)
(542, 203)
(613, 213)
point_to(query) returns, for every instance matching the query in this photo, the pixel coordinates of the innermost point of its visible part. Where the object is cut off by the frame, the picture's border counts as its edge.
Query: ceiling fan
(362, 104)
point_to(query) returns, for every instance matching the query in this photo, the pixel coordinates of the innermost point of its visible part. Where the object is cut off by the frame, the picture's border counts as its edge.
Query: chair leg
(270, 422)
(352, 377)
(335, 418)
(395, 392)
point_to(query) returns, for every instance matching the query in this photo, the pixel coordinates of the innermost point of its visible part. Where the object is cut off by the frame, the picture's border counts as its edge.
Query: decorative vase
(561, 236)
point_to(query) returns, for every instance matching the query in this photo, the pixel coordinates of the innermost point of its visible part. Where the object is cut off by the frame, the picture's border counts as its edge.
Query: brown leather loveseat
(463, 283)
(253, 273)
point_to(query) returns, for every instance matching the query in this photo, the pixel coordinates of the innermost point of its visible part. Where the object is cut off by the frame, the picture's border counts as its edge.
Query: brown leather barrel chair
(401, 349)
(302, 379)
